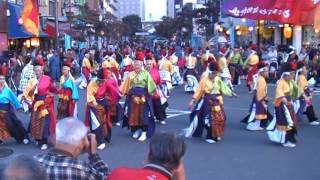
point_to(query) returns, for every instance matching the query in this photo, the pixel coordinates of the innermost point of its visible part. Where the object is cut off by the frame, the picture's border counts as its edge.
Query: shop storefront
(291, 16)
(18, 38)
(310, 36)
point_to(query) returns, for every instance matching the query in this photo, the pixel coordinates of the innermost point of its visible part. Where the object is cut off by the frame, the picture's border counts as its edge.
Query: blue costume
(10, 125)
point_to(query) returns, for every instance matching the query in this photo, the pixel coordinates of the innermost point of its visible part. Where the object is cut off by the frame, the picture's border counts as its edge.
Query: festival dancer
(305, 97)
(38, 94)
(204, 59)
(252, 61)
(235, 66)
(113, 97)
(190, 76)
(10, 125)
(166, 71)
(225, 73)
(97, 110)
(126, 64)
(208, 112)
(176, 77)
(68, 93)
(283, 127)
(138, 88)
(159, 100)
(257, 119)
(110, 63)
(87, 68)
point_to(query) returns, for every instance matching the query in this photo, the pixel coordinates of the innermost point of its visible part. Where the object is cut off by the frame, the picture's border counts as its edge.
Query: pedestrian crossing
(171, 113)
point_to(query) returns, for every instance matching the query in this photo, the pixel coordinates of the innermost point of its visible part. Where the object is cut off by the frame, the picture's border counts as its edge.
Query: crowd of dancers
(146, 83)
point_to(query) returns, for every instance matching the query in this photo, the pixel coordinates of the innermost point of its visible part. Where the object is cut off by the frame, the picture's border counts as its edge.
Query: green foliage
(133, 22)
(167, 28)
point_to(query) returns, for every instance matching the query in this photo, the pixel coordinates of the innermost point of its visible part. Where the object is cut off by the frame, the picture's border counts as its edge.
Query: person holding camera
(62, 162)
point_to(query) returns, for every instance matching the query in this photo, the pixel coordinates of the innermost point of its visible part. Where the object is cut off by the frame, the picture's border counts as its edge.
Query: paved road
(241, 155)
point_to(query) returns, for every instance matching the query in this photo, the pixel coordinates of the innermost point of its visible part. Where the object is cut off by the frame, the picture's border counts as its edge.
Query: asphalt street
(240, 155)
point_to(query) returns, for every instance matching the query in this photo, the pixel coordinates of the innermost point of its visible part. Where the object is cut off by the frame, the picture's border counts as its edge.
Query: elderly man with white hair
(62, 161)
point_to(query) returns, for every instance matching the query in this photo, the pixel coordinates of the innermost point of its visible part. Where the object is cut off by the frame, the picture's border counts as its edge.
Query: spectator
(82, 55)
(54, 66)
(118, 56)
(26, 75)
(50, 54)
(24, 168)
(62, 161)
(303, 56)
(18, 69)
(272, 55)
(164, 161)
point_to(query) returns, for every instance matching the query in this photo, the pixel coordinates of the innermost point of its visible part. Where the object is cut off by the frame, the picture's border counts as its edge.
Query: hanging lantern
(316, 30)
(250, 28)
(28, 43)
(266, 32)
(227, 32)
(34, 42)
(237, 27)
(287, 32)
(298, 28)
(238, 33)
(243, 20)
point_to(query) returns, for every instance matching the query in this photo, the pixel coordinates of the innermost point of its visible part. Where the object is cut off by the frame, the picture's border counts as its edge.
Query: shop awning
(299, 12)
(14, 29)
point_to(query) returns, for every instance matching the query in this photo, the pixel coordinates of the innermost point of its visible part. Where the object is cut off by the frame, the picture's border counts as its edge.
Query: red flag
(30, 16)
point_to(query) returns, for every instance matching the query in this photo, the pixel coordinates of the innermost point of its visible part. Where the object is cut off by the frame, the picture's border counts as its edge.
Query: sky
(155, 9)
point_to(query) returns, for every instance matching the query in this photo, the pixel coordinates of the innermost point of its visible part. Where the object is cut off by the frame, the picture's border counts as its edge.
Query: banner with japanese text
(300, 12)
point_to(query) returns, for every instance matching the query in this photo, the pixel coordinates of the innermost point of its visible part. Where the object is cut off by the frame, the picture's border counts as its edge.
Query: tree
(88, 15)
(167, 28)
(134, 23)
(118, 29)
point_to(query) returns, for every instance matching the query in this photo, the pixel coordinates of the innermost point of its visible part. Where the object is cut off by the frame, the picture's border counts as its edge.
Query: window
(52, 8)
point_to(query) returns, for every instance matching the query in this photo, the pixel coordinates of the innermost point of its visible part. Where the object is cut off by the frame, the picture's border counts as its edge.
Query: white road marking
(176, 112)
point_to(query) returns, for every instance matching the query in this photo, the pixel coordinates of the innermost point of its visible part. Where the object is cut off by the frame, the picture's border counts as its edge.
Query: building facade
(130, 7)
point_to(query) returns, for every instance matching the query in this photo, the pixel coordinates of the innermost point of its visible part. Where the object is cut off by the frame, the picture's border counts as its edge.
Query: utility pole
(57, 26)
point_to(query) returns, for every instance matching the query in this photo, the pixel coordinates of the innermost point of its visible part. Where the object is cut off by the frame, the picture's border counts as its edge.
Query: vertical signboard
(3, 26)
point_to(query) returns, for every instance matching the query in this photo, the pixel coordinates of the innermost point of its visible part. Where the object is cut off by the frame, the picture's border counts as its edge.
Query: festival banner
(300, 12)
(30, 17)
